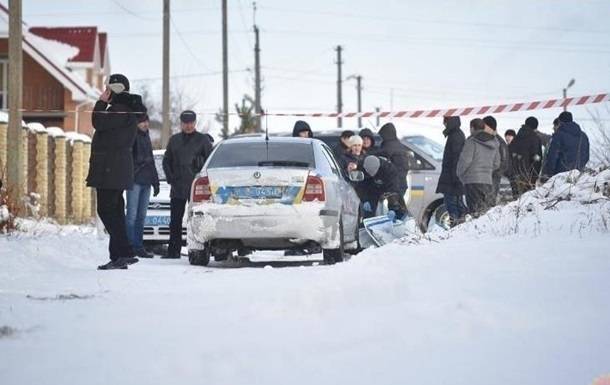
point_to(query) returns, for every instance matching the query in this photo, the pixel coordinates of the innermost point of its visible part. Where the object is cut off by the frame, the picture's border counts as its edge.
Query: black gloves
(156, 190)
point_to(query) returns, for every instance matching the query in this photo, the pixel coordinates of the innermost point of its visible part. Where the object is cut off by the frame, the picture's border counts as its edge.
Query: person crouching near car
(111, 168)
(184, 157)
(382, 180)
(478, 160)
(145, 177)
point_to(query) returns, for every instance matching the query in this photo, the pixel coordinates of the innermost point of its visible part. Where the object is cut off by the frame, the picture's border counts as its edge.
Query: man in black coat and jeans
(395, 152)
(448, 182)
(184, 157)
(111, 164)
(138, 197)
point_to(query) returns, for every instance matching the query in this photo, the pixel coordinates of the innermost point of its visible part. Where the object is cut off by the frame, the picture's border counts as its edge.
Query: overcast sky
(426, 54)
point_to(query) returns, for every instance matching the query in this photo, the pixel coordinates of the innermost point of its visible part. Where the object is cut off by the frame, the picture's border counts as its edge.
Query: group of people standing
(385, 167)
(473, 167)
(122, 161)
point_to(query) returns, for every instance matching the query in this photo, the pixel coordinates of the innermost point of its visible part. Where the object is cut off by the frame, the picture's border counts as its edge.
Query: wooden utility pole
(257, 75)
(225, 72)
(339, 49)
(15, 173)
(166, 129)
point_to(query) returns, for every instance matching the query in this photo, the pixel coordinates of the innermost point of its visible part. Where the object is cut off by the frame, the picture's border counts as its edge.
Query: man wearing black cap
(526, 157)
(111, 171)
(184, 157)
(569, 147)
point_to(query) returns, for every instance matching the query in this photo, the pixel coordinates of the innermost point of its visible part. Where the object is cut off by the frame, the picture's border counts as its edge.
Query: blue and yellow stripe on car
(416, 191)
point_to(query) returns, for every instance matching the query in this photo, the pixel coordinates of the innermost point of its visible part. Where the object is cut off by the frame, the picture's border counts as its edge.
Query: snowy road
(463, 311)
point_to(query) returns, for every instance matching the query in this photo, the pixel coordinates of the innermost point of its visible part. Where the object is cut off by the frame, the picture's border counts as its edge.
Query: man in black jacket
(145, 176)
(381, 179)
(395, 152)
(448, 182)
(111, 164)
(526, 157)
(184, 157)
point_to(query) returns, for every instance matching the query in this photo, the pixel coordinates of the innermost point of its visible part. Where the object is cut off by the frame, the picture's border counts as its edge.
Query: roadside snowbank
(478, 307)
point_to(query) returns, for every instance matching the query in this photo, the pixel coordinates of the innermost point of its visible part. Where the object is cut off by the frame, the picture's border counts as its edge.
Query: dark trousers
(111, 210)
(175, 225)
(478, 198)
(454, 204)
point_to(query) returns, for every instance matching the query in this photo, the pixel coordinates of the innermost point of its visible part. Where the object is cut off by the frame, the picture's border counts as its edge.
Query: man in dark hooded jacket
(381, 179)
(525, 152)
(184, 156)
(395, 152)
(448, 182)
(302, 129)
(569, 147)
(111, 170)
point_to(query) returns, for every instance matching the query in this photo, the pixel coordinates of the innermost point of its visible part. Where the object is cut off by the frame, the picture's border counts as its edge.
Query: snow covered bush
(7, 210)
(572, 202)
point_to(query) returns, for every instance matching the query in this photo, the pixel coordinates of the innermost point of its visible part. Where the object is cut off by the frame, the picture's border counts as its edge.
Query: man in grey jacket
(478, 160)
(491, 127)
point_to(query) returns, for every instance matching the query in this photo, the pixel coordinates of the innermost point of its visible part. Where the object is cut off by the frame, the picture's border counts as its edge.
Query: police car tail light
(201, 189)
(314, 189)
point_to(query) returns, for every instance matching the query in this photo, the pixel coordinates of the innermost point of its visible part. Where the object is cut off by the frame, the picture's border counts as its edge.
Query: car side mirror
(356, 176)
(410, 154)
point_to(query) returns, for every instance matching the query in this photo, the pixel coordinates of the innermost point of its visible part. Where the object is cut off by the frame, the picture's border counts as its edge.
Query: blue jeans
(455, 206)
(137, 204)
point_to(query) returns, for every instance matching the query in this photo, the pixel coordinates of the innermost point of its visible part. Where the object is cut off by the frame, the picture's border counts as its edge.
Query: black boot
(171, 255)
(142, 253)
(129, 260)
(114, 265)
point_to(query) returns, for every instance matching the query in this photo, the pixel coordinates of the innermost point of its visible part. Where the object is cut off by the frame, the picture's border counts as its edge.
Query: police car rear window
(263, 154)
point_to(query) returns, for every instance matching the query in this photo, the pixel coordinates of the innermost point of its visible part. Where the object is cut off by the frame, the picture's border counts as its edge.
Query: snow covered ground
(482, 304)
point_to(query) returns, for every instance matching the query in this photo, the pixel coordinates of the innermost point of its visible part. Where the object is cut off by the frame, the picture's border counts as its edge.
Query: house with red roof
(64, 69)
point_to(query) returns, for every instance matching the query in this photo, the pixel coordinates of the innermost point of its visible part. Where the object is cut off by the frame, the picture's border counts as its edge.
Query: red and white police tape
(457, 111)
(461, 111)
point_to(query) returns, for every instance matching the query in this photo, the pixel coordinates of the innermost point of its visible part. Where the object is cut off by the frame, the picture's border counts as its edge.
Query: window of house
(3, 84)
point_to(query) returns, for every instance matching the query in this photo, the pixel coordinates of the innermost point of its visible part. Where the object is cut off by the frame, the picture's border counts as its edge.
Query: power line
(186, 76)
(451, 42)
(188, 48)
(431, 21)
(130, 12)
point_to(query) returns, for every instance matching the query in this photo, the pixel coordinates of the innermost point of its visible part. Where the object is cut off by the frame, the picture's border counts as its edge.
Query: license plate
(258, 192)
(156, 220)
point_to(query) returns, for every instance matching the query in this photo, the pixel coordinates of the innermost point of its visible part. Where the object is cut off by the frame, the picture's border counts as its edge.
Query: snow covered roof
(53, 58)
(85, 38)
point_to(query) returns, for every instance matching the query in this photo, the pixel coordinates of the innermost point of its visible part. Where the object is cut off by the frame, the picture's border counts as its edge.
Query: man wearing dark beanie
(491, 127)
(569, 148)
(525, 156)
